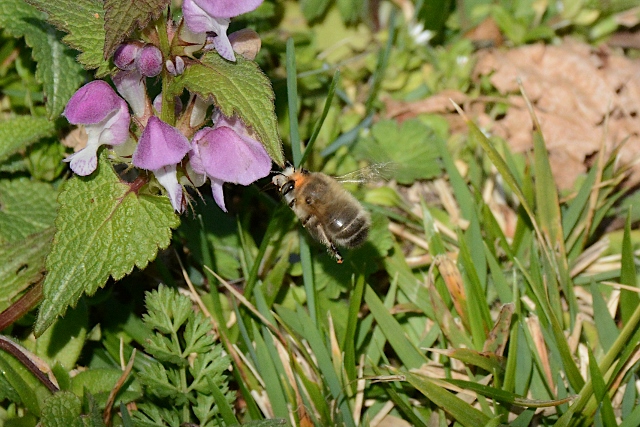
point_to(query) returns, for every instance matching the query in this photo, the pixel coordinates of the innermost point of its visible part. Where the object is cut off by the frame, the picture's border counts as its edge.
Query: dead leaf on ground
(572, 87)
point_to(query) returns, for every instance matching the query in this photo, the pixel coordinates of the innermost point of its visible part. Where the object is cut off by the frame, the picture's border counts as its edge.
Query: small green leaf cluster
(189, 364)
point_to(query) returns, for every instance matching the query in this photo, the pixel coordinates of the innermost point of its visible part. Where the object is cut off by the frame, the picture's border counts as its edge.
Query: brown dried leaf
(573, 88)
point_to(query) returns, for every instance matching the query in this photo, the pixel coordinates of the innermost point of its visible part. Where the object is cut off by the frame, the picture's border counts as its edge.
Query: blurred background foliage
(483, 296)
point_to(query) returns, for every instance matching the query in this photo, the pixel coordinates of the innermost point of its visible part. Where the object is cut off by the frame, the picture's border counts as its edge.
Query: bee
(329, 212)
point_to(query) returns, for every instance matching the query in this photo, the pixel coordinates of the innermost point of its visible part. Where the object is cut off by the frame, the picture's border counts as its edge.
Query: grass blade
(325, 111)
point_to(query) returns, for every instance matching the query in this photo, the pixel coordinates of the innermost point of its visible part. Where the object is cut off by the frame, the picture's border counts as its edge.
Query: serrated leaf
(26, 207)
(103, 229)
(207, 369)
(83, 21)
(57, 68)
(62, 409)
(237, 88)
(155, 376)
(122, 17)
(22, 264)
(164, 349)
(18, 133)
(197, 335)
(409, 147)
(166, 310)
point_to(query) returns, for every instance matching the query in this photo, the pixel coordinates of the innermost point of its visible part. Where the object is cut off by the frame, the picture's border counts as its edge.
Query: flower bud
(126, 54)
(149, 61)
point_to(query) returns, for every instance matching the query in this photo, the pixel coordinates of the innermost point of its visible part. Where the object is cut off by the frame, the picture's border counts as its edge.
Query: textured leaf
(409, 147)
(103, 229)
(19, 132)
(22, 264)
(26, 207)
(124, 16)
(57, 68)
(83, 21)
(62, 409)
(237, 88)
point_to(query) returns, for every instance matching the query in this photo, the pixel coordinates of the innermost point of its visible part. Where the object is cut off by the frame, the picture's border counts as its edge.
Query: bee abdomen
(355, 233)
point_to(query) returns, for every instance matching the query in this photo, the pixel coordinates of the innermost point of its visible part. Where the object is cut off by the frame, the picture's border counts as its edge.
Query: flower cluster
(184, 152)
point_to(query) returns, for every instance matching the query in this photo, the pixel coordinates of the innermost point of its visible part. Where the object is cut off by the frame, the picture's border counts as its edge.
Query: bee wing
(367, 173)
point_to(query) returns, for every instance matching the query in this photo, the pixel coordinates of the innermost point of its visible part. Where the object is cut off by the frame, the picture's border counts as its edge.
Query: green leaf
(485, 360)
(57, 68)
(601, 393)
(505, 396)
(237, 88)
(18, 133)
(464, 413)
(22, 264)
(62, 409)
(83, 21)
(606, 326)
(166, 310)
(350, 10)
(100, 381)
(158, 379)
(628, 300)
(409, 147)
(149, 415)
(122, 17)
(22, 381)
(103, 229)
(314, 9)
(404, 348)
(26, 207)
(63, 342)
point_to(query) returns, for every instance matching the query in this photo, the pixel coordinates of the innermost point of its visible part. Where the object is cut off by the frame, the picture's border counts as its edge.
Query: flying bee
(328, 211)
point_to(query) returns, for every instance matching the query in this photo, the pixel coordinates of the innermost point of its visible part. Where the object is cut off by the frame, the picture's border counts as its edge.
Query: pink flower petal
(149, 61)
(199, 21)
(227, 8)
(229, 157)
(218, 194)
(91, 103)
(126, 54)
(85, 161)
(112, 130)
(160, 145)
(223, 45)
(167, 177)
(131, 85)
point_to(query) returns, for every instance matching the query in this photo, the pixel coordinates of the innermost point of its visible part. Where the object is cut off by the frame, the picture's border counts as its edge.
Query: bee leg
(334, 251)
(331, 247)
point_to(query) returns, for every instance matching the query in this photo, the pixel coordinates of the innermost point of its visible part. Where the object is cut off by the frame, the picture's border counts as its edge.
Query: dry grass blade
(106, 417)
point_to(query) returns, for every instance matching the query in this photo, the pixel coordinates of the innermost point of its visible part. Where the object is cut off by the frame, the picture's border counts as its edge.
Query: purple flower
(175, 68)
(149, 61)
(126, 54)
(160, 148)
(106, 119)
(228, 153)
(203, 16)
(132, 86)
